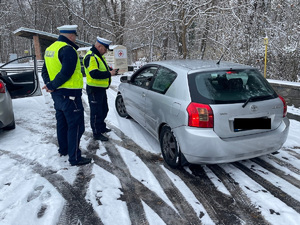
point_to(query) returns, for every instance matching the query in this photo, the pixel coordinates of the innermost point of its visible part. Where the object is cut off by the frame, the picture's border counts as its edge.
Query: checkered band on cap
(68, 29)
(104, 41)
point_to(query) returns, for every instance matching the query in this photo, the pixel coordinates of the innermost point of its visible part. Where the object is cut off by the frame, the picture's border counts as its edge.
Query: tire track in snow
(222, 209)
(244, 207)
(134, 191)
(80, 187)
(275, 191)
(76, 209)
(129, 187)
(154, 162)
(277, 172)
(167, 214)
(292, 152)
(284, 164)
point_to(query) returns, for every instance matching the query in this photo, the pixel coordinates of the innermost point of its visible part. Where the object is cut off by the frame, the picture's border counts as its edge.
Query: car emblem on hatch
(253, 108)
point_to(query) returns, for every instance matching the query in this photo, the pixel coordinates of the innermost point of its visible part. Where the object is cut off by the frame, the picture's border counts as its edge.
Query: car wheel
(120, 107)
(10, 126)
(169, 148)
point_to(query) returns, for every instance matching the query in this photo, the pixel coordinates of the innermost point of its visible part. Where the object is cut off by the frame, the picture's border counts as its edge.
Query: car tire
(10, 126)
(120, 106)
(169, 148)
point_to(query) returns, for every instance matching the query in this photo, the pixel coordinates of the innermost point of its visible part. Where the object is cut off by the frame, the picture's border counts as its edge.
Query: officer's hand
(46, 88)
(114, 72)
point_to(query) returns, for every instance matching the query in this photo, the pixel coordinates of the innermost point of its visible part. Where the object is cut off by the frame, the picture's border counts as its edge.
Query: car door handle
(143, 95)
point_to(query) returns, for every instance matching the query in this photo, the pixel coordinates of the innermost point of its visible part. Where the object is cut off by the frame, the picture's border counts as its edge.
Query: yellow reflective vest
(54, 66)
(96, 63)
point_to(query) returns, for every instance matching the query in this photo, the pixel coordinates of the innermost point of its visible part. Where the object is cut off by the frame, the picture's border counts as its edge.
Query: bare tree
(167, 29)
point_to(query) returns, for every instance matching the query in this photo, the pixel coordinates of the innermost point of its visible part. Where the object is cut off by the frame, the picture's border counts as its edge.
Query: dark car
(16, 82)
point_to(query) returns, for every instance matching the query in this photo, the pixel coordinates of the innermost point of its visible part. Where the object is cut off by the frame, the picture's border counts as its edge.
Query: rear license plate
(240, 124)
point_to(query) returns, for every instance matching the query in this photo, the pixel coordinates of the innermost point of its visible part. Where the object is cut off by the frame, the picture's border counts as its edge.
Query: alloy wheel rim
(169, 145)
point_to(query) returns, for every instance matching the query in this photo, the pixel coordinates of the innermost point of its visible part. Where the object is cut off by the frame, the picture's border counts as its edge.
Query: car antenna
(218, 63)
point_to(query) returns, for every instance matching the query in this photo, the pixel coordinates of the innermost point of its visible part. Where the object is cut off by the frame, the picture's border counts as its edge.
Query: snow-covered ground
(28, 155)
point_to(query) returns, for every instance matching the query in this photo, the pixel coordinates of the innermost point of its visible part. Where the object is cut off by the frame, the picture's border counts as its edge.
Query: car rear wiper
(252, 98)
(248, 100)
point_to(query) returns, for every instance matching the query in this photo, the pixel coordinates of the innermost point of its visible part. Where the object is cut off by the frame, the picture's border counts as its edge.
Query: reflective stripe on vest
(54, 66)
(95, 63)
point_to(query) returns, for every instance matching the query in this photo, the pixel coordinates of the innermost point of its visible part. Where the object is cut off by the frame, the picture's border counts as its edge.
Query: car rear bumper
(204, 146)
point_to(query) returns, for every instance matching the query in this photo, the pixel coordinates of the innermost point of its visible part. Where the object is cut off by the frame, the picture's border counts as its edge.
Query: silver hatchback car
(203, 112)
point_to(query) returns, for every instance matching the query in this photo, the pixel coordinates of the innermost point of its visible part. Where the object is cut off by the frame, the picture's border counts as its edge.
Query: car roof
(193, 65)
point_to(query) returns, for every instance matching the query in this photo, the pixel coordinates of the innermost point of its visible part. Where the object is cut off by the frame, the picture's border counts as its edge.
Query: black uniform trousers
(98, 108)
(70, 125)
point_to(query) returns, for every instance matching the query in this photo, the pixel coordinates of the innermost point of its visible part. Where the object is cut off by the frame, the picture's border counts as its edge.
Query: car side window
(163, 80)
(144, 78)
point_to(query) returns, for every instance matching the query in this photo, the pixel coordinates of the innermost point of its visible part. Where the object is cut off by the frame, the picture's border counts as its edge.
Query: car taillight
(284, 106)
(200, 115)
(2, 87)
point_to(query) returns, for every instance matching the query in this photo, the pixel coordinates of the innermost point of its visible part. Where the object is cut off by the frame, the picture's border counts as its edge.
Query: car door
(21, 80)
(158, 105)
(136, 93)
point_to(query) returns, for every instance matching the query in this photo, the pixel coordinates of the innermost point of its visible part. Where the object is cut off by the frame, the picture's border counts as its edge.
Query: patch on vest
(50, 54)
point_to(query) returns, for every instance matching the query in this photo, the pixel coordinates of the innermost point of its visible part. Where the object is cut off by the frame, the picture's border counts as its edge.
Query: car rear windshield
(229, 86)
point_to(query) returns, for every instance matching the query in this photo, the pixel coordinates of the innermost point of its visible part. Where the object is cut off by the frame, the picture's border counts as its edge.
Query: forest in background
(170, 29)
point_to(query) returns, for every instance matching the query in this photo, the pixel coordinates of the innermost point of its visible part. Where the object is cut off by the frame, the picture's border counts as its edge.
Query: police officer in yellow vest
(63, 79)
(98, 78)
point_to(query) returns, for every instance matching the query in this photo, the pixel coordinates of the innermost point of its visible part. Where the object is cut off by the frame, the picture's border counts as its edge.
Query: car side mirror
(125, 79)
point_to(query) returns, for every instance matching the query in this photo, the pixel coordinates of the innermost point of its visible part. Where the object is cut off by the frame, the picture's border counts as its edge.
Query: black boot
(100, 137)
(82, 161)
(107, 130)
